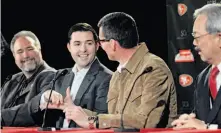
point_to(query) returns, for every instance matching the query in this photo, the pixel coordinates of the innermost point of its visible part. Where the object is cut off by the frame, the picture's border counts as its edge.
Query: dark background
(51, 20)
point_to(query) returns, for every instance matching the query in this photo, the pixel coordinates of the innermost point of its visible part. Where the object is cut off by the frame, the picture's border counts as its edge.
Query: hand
(56, 98)
(52, 106)
(182, 117)
(68, 98)
(77, 114)
(56, 101)
(192, 123)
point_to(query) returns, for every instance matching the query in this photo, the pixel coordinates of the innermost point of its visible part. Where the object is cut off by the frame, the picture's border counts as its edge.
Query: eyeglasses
(194, 37)
(104, 40)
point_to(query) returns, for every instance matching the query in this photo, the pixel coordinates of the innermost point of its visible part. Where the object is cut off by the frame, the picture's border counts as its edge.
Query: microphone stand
(45, 112)
(43, 128)
(122, 129)
(6, 80)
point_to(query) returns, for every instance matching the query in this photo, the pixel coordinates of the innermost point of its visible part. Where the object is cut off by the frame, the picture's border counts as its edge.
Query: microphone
(53, 83)
(122, 129)
(9, 77)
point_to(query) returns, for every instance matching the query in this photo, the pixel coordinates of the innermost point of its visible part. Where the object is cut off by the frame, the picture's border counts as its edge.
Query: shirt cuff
(213, 126)
(42, 101)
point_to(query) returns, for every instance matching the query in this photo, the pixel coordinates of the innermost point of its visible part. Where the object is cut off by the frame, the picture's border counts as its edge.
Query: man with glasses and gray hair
(207, 41)
(20, 88)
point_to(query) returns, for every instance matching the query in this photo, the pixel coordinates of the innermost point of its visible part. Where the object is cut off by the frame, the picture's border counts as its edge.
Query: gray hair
(25, 33)
(213, 13)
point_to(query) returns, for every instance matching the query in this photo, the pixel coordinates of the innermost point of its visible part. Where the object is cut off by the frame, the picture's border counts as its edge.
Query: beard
(29, 65)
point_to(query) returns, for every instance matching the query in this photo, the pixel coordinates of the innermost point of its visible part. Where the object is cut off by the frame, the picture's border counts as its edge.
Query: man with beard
(20, 88)
(207, 41)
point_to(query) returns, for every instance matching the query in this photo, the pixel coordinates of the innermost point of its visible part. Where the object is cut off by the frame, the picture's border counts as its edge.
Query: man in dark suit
(207, 40)
(20, 88)
(88, 80)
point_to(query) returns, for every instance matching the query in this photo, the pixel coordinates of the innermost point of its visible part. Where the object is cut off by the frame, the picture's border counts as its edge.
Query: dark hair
(82, 27)
(120, 27)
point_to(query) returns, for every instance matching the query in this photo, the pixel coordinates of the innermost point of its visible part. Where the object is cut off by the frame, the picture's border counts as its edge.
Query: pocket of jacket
(112, 95)
(135, 96)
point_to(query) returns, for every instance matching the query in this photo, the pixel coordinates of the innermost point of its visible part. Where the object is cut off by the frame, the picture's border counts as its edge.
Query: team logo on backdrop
(182, 9)
(183, 34)
(213, 1)
(185, 80)
(184, 56)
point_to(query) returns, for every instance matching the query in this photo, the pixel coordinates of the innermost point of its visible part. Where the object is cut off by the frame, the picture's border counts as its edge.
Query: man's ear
(68, 46)
(13, 54)
(219, 34)
(113, 44)
(97, 45)
(219, 37)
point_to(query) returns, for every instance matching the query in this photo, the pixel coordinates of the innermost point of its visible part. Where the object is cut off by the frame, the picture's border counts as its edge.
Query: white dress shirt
(78, 78)
(218, 77)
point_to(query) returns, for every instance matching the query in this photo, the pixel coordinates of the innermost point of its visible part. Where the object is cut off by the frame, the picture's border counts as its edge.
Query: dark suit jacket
(14, 102)
(91, 95)
(202, 100)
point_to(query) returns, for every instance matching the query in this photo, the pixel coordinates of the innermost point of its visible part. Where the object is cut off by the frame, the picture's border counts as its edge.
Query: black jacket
(202, 100)
(14, 101)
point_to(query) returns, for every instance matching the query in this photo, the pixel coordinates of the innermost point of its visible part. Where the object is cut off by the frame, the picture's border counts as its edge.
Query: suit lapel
(67, 81)
(204, 96)
(88, 79)
(215, 108)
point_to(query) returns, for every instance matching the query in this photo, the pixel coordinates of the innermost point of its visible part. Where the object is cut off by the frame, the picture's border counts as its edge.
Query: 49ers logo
(182, 8)
(185, 80)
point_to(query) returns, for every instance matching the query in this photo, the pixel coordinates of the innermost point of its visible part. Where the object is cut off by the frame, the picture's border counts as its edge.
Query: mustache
(197, 49)
(27, 59)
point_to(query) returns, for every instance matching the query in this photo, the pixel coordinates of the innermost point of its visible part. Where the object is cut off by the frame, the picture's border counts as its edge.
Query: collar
(134, 61)
(218, 66)
(120, 67)
(83, 70)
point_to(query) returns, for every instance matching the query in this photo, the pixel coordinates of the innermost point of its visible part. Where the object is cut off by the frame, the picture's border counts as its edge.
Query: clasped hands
(188, 121)
(72, 112)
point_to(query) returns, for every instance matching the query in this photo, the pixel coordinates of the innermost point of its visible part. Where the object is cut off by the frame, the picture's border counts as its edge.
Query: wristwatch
(91, 121)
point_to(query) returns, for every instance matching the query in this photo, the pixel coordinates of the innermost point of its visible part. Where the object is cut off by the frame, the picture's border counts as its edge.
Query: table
(80, 130)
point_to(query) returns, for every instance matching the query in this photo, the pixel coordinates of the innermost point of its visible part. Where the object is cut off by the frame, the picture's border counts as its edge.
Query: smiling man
(20, 88)
(88, 79)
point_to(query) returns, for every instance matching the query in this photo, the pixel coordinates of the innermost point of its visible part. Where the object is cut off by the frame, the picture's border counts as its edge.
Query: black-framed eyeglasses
(104, 40)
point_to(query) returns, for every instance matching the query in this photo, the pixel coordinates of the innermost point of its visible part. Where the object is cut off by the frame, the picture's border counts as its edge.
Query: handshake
(56, 100)
(72, 112)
